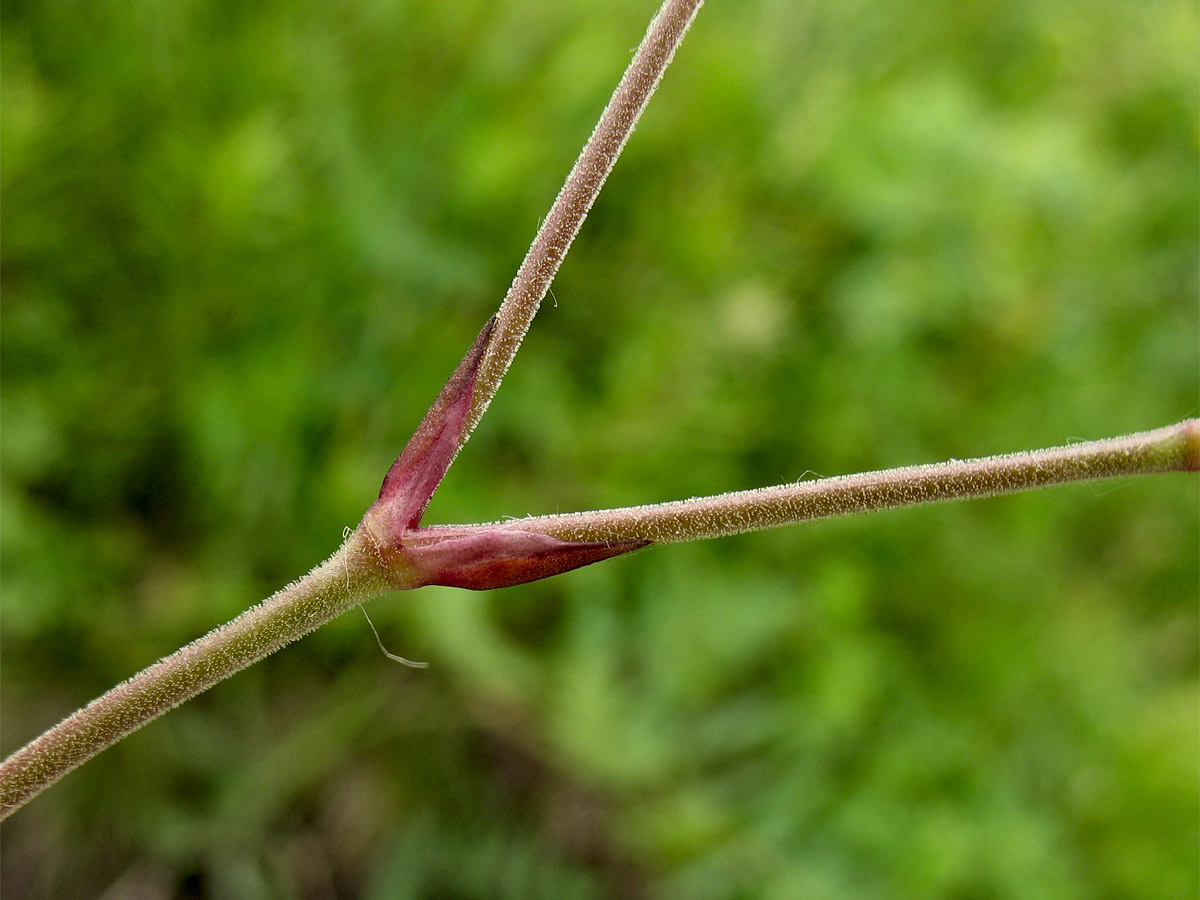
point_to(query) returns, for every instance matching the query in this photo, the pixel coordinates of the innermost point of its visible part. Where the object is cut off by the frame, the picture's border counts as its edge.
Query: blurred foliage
(244, 244)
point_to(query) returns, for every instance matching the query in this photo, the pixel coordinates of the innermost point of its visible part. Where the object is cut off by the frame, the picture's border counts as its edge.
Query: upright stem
(346, 579)
(578, 194)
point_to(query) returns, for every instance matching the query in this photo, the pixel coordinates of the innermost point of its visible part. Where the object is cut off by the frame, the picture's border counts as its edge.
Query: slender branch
(582, 186)
(1175, 448)
(346, 579)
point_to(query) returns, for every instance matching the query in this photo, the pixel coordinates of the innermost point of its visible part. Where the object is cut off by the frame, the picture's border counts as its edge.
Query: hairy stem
(582, 186)
(405, 555)
(1175, 448)
(346, 579)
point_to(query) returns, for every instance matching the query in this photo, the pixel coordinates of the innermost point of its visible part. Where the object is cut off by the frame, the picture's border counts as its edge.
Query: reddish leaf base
(477, 557)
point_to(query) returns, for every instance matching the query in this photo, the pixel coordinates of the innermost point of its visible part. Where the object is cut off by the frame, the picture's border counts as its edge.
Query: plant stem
(486, 555)
(578, 193)
(346, 579)
(1175, 448)
(357, 571)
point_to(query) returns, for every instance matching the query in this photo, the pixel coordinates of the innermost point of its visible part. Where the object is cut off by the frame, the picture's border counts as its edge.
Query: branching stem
(392, 551)
(354, 573)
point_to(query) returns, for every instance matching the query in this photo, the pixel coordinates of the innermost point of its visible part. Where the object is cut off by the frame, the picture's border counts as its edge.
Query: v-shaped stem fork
(391, 550)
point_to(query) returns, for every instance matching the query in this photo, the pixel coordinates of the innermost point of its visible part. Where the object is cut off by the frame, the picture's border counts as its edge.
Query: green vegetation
(244, 246)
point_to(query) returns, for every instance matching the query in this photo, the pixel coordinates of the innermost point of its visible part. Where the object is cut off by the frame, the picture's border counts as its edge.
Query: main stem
(346, 579)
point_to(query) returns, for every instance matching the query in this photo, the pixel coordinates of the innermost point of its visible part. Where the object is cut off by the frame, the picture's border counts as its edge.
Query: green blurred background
(245, 243)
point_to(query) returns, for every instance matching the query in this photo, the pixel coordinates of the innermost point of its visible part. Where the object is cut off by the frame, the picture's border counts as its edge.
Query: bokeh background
(245, 243)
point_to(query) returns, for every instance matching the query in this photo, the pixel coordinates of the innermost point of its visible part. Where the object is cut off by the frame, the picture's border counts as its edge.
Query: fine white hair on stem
(413, 664)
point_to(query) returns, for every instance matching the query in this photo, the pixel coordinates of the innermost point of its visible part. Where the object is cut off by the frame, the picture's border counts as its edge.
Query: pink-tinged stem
(1175, 448)
(578, 194)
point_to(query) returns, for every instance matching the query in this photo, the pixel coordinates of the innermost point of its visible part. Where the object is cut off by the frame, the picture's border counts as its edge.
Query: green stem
(347, 578)
(1175, 448)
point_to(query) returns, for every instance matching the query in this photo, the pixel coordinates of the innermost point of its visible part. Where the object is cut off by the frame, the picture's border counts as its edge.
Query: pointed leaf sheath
(418, 471)
(474, 557)
(483, 558)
